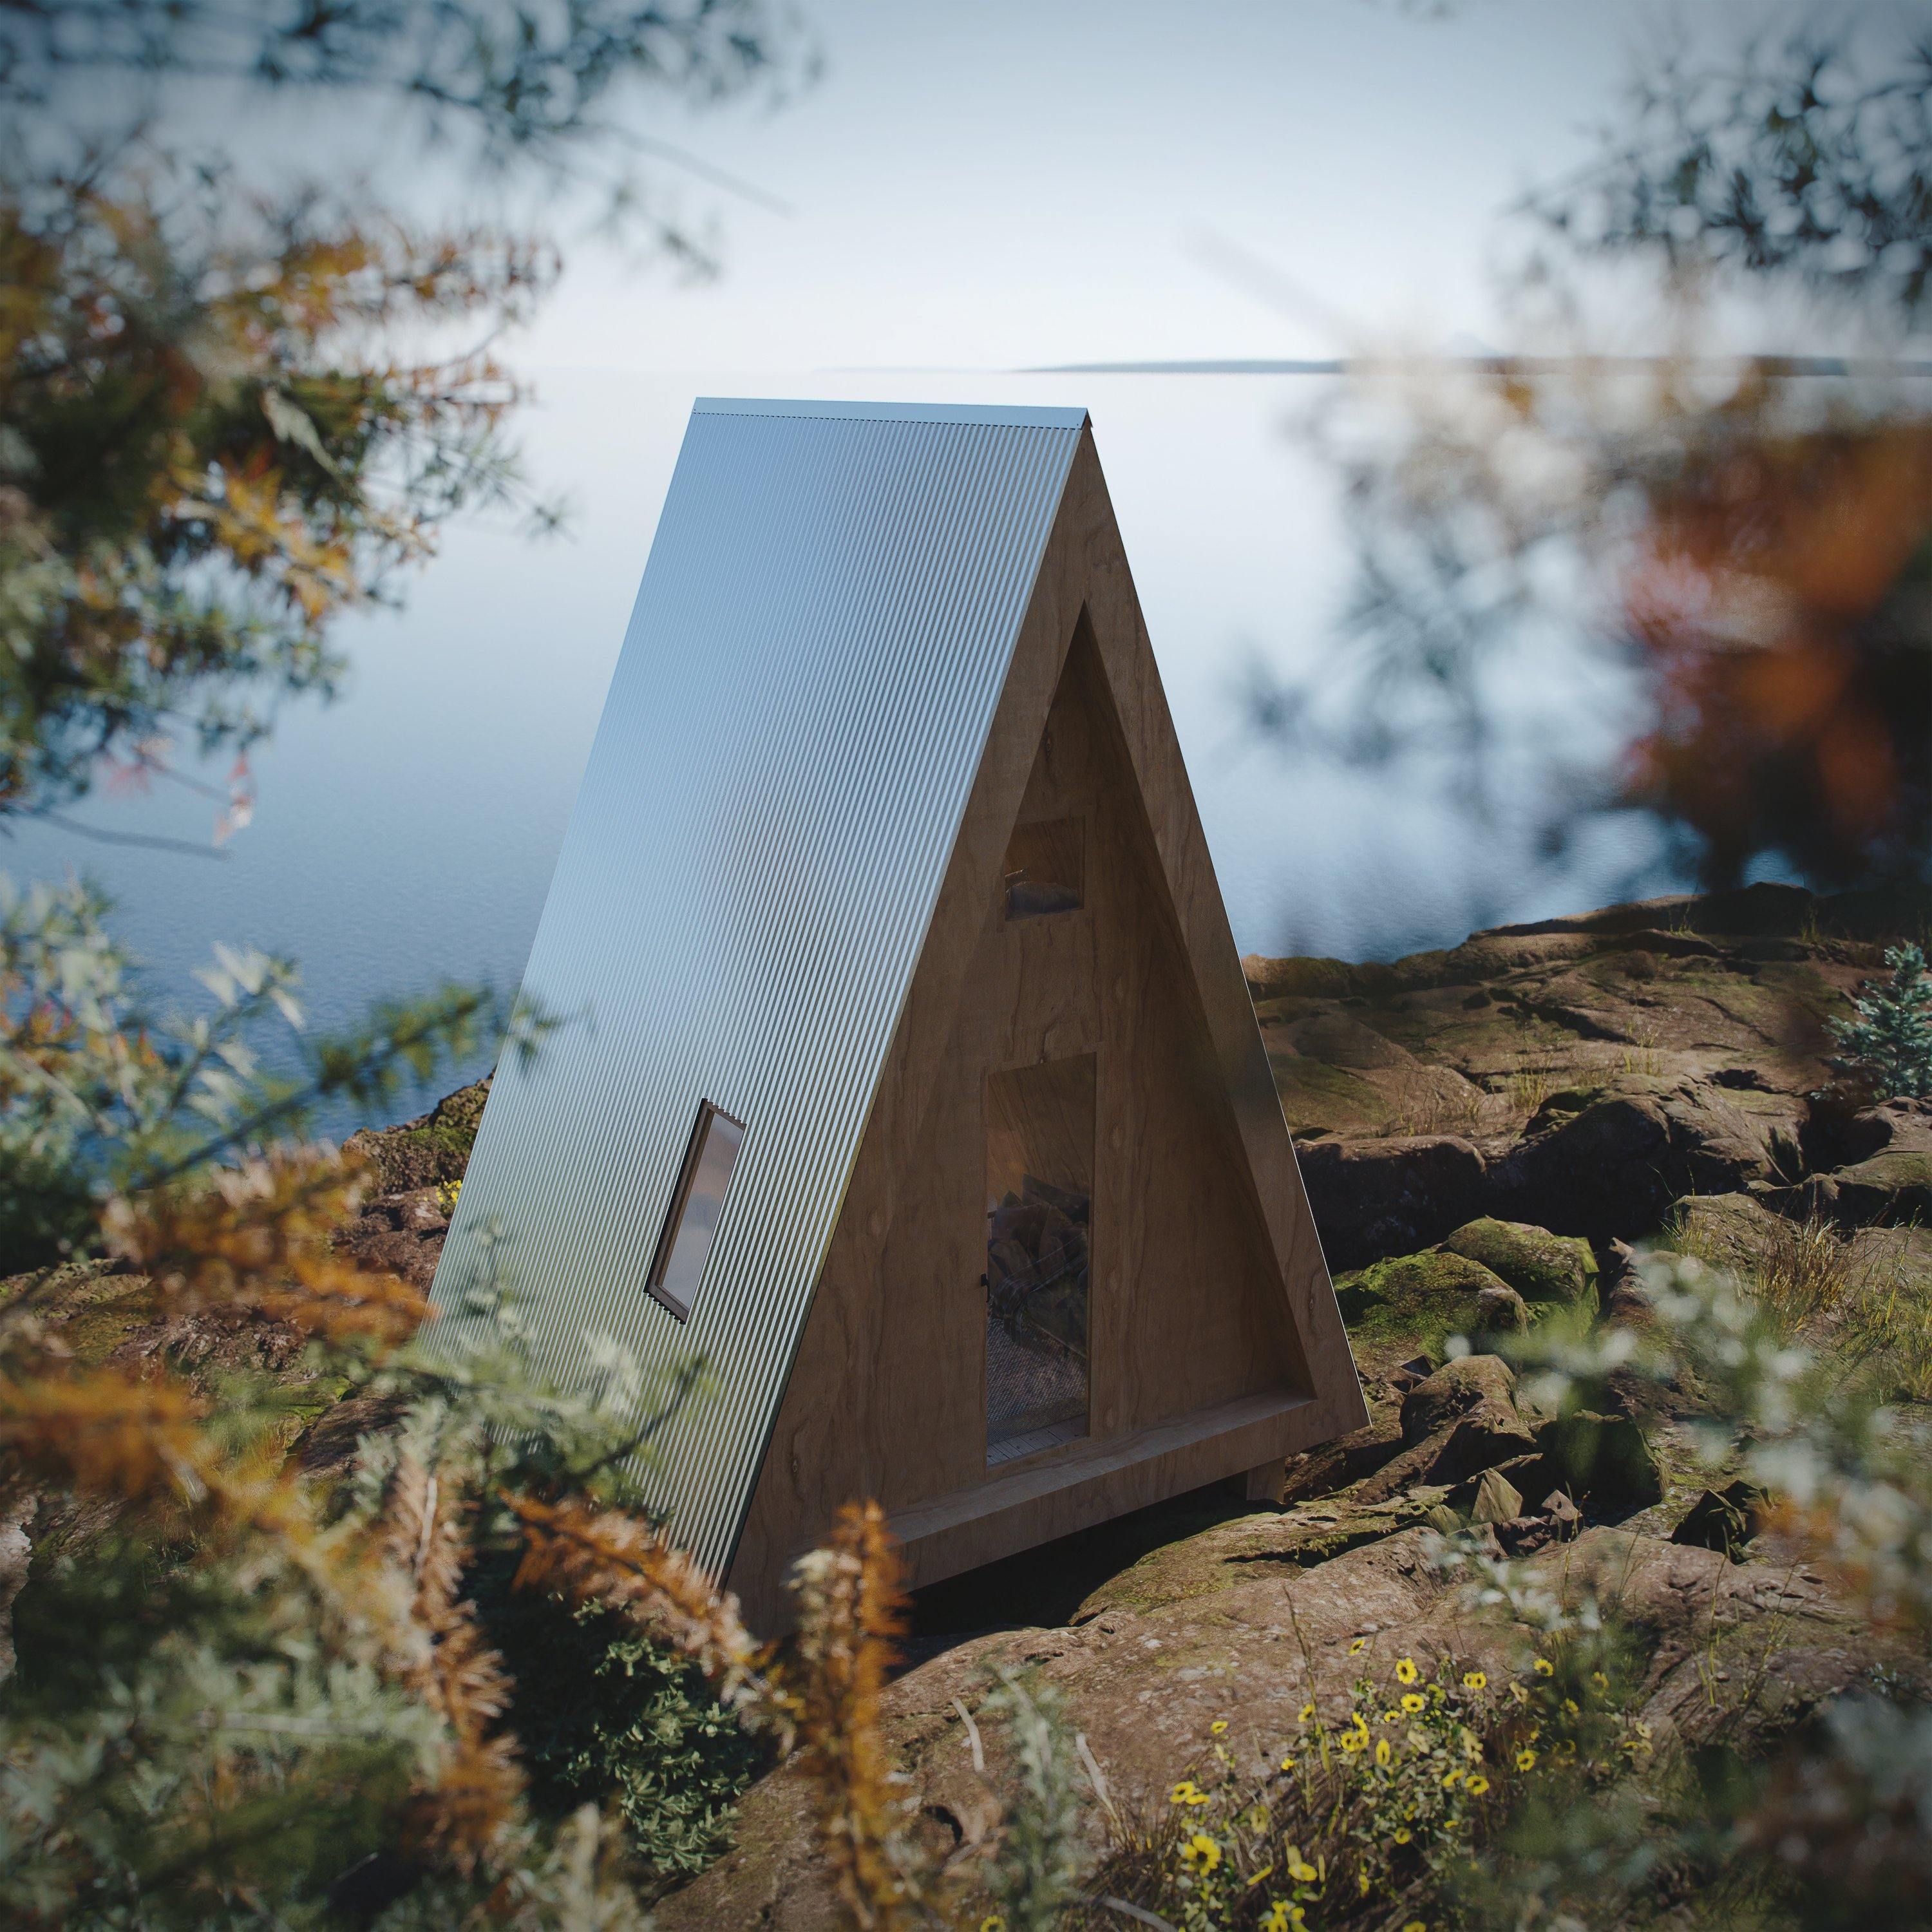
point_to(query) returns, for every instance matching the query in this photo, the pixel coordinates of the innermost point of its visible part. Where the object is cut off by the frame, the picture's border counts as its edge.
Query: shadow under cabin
(919, 1093)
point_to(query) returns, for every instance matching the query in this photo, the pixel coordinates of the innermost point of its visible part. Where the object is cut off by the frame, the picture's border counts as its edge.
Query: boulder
(1372, 1198)
(1732, 1231)
(1428, 1296)
(1498, 1499)
(1460, 1422)
(433, 1148)
(1900, 1126)
(1603, 1460)
(1269, 1543)
(1334, 1465)
(1453, 1391)
(1608, 1165)
(1892, 1189)
(399, 1235)
(1540, 1267)
(1499, 1311)
(1724, 1519)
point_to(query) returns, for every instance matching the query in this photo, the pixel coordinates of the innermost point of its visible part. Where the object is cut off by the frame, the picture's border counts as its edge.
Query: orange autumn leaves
(383, 1581)
(215, 453)
(1771, 600)
(259, 1236)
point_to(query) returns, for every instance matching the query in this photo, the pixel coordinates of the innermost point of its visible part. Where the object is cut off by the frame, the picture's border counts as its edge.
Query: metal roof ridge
(1016, 414)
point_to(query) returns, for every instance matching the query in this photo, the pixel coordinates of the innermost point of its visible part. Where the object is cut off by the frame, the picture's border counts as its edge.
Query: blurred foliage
(222, 421)
(1796, 159)
(510, 84)
(210, 451)
(1819, 1830)
(1720, 563)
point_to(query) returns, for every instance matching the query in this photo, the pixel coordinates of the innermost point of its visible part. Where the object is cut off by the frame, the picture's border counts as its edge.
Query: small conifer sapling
(1890, 1042)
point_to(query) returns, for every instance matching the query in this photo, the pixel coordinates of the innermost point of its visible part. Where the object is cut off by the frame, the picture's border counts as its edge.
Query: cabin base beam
(1091, 1482)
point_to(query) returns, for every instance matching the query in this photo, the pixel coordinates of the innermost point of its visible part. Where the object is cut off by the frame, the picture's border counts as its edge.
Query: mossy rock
(432, 1149)
(1603, 1459)
(1423, 1297)
(1894, 1187)
(91, 1309)
(1540, 1267)
(1269, 1542)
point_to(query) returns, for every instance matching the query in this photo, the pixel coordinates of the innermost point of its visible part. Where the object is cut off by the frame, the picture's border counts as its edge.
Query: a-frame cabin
(916, 1086)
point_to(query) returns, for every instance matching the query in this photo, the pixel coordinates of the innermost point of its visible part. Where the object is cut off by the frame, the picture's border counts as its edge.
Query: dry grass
(1433, 1100)
(1806, 1272)
(1860, 1295)
(1890, 1327)
(1529, 1087)
(1802, 1272)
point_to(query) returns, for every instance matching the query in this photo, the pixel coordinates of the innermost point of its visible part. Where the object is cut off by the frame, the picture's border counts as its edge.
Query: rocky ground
(1483, 1131)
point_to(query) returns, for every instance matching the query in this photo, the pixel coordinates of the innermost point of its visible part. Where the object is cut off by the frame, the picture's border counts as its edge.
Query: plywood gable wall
(1194, 1301)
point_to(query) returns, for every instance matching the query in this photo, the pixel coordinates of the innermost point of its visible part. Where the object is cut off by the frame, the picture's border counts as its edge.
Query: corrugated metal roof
(824, 626)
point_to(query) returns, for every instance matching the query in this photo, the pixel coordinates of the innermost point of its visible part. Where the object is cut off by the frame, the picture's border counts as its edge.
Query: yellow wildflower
(1353, 1740)
(1570, 1705)
(1361, 1644)
(1287, 1764)
(1362, 1882)
(1391, 1717)
(1478, 1785)
(1412, 1704)
(1201, 1854)
(1187, 1792)
(1219, 1725)
(992, 1922)
(1383, 1753)
(1450, 1778)
(1301, 1873)
(1473, 1680)
(1405, 1670)
(1598, 1677)
(1402, 1834)
(1415, 1925)
(1307, 1713)
(1525, 1760)
(1275, 1918)
(1544, 1668)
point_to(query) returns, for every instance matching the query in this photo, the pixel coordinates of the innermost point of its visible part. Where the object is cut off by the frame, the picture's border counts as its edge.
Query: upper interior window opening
(1045, 870)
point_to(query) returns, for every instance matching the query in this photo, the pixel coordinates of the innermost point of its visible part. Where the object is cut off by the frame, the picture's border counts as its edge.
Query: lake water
(406, 834)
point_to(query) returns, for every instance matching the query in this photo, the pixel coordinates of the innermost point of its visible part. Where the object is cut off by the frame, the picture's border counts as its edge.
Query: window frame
(709, 1115)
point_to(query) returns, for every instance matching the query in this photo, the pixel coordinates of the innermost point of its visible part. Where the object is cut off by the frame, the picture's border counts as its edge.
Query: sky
(1023, 182)
(966, 193)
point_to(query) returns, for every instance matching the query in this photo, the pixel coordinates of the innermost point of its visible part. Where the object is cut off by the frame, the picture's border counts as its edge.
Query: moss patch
(1253, 1545)
(429, 1150)
(1539, 1265)
(1424, 1298)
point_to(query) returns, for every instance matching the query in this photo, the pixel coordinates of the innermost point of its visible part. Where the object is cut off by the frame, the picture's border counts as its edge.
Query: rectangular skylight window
(696, 1203)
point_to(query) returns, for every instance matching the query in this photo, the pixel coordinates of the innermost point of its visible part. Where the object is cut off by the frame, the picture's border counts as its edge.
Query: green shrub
(606, 1717)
